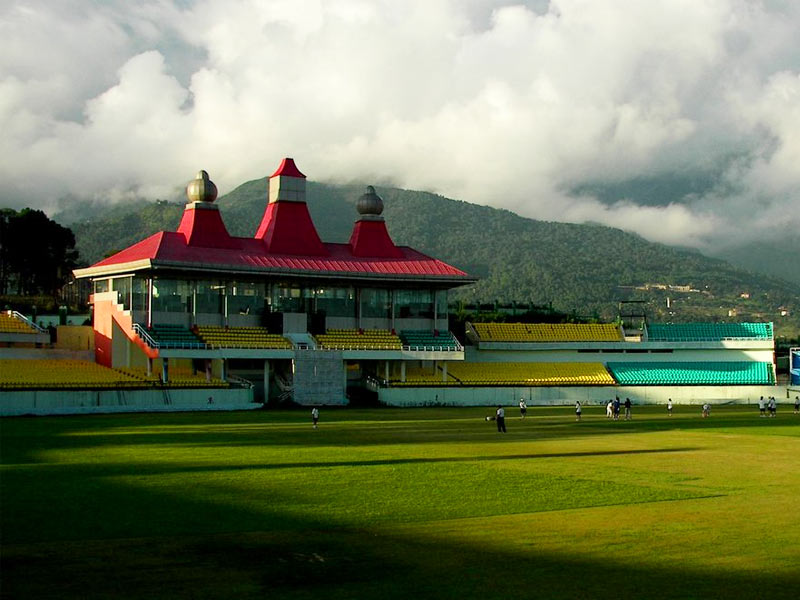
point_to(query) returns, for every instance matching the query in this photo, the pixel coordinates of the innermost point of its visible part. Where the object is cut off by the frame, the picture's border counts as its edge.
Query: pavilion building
(282, 309)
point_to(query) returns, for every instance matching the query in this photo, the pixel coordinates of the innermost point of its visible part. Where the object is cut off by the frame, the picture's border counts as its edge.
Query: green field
(399, 503)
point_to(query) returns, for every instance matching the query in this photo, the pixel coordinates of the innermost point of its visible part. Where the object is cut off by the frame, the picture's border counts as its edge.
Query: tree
(37, 255)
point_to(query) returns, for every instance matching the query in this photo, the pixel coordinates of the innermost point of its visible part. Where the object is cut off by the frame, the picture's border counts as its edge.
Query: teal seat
(692, 332)
(689, 373)
(424, 338)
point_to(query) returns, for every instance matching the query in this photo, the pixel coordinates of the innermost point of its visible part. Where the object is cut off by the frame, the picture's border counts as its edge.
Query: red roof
(370, 238)
(287, 168)
(286, 228)
(169, 249)
(202, 225)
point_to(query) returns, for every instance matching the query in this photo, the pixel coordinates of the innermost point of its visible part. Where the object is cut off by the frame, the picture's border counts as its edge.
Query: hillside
(584, 269)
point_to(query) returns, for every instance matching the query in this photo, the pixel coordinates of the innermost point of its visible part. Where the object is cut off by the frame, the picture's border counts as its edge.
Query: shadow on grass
(112, 470)
(108, 539)
(311, 559)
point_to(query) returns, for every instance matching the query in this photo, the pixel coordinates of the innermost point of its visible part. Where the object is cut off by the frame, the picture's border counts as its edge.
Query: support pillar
(149, 366)
(224, 375)
(435, 310)
(403, 371)
(386, 371)
(165, 370)
(444, 372)
(344, 383)
(358, 309)
(149, 304)
(392, 301)
(266, 381)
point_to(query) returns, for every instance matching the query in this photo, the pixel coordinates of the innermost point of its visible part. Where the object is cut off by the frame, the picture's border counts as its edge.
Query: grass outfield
(399, 503)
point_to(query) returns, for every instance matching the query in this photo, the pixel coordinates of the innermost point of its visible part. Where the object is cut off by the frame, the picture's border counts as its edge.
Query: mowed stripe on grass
(391, 502)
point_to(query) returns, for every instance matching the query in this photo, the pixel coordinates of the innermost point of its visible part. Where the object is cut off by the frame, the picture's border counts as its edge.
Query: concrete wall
(295, 322)
(237, 320)
(71, 337)
(588, 395)
(109, 401)
(46, 354)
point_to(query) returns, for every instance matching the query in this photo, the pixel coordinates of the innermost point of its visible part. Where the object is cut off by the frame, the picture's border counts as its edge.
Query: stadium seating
(242, 337)
(418, 376)
(704, 332)
(175, 336)
(687, 373)
(548, 332)
(62, 375)
(429, 340)
(48, 374)
(178, 378)
(11, 324)
(527, 374)
(353, 339)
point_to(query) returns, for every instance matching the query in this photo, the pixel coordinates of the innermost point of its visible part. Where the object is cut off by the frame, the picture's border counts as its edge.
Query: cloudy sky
(677, 119)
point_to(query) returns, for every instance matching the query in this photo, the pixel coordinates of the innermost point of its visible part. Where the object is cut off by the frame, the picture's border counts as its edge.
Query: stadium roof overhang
(155, 267)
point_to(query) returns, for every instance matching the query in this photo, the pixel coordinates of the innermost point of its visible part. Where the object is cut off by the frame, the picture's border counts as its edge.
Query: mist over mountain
(771, 250)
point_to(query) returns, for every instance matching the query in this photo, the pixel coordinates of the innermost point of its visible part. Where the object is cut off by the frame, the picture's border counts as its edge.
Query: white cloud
(505, 103)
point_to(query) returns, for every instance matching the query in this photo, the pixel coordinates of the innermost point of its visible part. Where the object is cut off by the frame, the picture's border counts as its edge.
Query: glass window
(376, 303)
(208, 296)
(246, 298)
(172, 295)
(100, 286)
(414, 303)
(139, 294)
(122, 286)
(287, 298)
(441, 304)
(336, 301)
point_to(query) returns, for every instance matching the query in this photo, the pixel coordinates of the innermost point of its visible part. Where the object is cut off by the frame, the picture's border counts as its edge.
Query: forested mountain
(584, 269)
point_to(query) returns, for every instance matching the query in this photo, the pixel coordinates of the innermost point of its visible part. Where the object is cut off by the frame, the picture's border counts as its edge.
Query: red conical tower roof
(286, 227)
(202, 223)
(370, 238)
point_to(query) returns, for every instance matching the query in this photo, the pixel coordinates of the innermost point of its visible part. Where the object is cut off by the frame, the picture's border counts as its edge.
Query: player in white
(500, 417)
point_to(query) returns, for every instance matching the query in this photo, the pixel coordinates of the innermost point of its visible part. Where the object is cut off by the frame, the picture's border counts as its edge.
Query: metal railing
(18, 315)
(457, 347)
(376, 347)
(142, 333)
(241, 382)
(150, 341)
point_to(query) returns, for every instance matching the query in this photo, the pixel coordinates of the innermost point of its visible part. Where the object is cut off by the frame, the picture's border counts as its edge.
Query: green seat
(690, 373)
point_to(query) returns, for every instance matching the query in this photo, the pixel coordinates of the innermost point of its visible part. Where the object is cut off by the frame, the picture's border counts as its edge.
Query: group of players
(613, 410)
